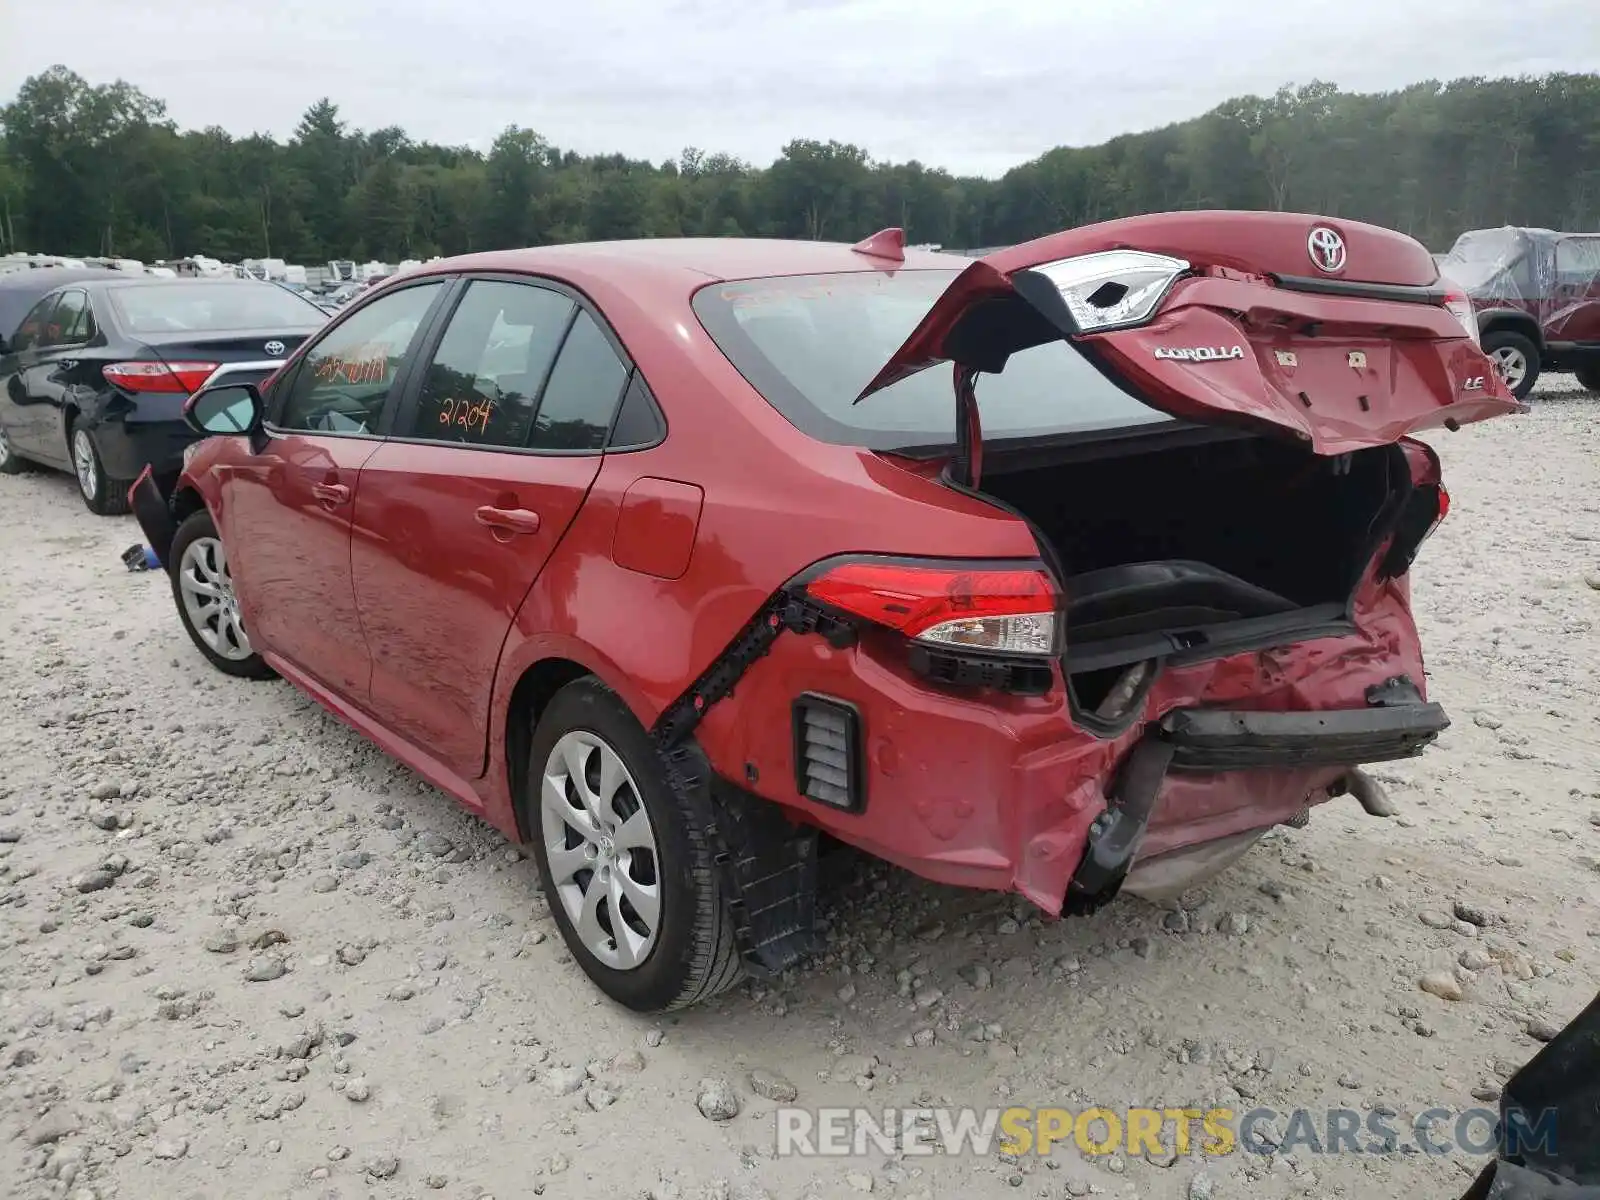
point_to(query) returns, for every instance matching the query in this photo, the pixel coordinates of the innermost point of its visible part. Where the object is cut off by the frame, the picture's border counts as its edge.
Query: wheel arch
(1495, 320)
(533, 691)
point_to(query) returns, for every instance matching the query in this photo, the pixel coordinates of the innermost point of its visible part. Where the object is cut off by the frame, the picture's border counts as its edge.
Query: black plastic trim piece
(1355, 289)
(855, 787)
(960, 668)
(1114, 838)
(1210, 740)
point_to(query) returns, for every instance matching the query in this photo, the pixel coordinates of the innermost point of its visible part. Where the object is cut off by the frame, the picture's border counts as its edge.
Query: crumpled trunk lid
(1333, 333)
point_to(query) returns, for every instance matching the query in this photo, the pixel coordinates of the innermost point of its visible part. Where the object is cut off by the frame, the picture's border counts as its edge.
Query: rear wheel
(623, 858)
(1589, 377)
(202, 586)
(104, 496)
(11, 463)
(1515, 357)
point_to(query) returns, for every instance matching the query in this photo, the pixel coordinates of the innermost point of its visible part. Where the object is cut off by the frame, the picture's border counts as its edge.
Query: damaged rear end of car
(1207, 421)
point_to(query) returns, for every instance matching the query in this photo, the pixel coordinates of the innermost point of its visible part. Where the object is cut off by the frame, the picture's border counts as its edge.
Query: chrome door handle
(331, 493)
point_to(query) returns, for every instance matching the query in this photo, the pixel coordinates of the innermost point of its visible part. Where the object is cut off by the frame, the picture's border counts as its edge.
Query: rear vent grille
(827, 752)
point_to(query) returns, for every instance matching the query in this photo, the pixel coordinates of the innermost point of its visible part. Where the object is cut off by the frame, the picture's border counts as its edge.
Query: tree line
(100, 169)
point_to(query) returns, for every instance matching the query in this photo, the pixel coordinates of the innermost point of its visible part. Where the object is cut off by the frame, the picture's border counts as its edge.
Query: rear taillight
(1425, 509)
(1461, 308)
(180, 378)
(976, 609)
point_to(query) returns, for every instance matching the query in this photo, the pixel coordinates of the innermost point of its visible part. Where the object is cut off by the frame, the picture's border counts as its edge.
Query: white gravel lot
(309, 975)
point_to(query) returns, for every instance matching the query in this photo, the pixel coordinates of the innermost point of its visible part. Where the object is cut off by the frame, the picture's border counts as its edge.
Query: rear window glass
(210, 307)
(809, 344)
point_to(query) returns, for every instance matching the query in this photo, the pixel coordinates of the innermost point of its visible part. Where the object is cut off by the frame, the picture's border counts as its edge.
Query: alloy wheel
(83, 460)
(208, 599)
(601, 849)
(1512, 365)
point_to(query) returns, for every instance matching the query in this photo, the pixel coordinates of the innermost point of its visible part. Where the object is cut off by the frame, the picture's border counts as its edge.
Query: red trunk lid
(1332, 332)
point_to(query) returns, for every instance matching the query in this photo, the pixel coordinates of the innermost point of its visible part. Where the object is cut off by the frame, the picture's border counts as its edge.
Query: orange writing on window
(361, 365)
(467, 413)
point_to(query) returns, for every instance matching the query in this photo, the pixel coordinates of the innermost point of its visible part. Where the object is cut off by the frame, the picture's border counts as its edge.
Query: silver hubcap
(83, 460)
(601, 849)
(1511, 364)
(208, 599)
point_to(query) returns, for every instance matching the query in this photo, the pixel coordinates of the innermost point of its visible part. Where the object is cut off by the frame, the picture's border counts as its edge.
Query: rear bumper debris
(1396, 724)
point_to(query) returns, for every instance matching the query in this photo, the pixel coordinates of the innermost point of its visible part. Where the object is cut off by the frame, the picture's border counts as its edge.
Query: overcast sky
(955, 83)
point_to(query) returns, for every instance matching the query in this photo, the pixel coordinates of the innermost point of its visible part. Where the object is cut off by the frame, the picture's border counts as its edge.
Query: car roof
(690, 261)
(44, 279)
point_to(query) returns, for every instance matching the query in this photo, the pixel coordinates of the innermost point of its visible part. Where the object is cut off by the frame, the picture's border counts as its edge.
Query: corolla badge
(1326, 248)
(1200, 353)
(274, 348)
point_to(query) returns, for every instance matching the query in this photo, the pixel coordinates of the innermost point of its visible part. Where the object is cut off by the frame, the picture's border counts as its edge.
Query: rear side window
(582, 395)
(344, 379)
(71, 323)
(209, 307)
(484, 380)
(810, 344)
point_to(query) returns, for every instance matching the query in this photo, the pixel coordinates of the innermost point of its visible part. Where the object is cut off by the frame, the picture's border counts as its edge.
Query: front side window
(33, 326)
(344, 379)
(484, 381)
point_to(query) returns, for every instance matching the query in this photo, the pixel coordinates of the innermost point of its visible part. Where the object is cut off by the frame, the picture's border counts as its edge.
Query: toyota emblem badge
(274, 348)
(1326, 248)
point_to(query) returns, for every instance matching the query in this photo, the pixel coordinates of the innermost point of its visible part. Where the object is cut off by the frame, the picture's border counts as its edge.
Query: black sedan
(94, 378)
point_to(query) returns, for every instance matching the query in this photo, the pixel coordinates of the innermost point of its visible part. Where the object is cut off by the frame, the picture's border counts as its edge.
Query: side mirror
(227, 408)
(4, 349)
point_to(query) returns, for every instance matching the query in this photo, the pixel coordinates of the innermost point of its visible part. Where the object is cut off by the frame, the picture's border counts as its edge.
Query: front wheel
(1589, 377)
(1516, 358)
(623, 858)
(104, 496)
(202, 586)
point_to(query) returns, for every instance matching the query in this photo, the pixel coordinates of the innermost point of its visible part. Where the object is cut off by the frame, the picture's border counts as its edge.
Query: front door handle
(331, 493)
(509, 520)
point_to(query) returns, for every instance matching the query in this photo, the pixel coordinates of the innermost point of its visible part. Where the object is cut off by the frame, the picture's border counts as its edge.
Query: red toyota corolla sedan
(1066, 570)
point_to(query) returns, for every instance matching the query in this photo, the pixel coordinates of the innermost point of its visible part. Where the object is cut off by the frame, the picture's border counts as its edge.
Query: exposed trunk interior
(1167, 548)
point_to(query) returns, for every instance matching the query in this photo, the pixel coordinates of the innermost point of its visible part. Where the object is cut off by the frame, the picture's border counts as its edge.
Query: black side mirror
(226, 408)
(4, 348)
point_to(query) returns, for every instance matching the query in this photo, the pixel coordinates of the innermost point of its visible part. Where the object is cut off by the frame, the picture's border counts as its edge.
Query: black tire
(1508, 340)
(693, 958)
(200, 525)
(110, 498)
(11, 463)
(1589, 377)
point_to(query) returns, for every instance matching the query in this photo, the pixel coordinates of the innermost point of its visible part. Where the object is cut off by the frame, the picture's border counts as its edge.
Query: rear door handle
(331, 493)
(511, 520)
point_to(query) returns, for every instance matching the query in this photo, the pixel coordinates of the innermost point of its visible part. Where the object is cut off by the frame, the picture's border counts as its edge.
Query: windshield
(210, 308)
(810, 343)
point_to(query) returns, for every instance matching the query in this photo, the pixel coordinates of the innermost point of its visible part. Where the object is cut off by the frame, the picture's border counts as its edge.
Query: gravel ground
(242, 953)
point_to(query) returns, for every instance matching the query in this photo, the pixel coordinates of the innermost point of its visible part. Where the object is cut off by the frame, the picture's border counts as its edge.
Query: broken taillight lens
(980, 608)
(1460, 306)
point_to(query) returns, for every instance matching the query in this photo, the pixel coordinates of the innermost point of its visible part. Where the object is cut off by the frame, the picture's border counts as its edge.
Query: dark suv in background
(1537, 297)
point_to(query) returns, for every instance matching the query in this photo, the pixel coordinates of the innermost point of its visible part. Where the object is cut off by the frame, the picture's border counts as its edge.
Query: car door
(27, 428)
(286, 510)
(494, 451)
(57, 369)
